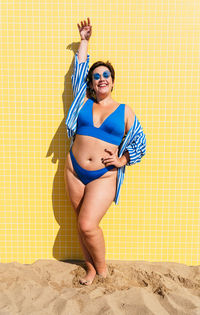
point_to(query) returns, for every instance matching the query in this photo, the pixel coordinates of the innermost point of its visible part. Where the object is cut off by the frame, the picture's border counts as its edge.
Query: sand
(133, 287)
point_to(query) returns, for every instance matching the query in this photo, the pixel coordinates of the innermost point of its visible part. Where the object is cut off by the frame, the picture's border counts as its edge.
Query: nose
(101, 77)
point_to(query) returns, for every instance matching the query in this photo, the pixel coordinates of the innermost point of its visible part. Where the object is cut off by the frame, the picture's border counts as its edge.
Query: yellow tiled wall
(154, 47)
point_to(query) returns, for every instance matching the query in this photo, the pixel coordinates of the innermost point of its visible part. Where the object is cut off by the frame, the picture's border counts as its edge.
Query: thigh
(74, 187)
(99, 195)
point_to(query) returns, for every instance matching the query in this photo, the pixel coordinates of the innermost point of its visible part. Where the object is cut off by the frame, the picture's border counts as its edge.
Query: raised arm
(79, 78)
(85, 30)
(81, 62)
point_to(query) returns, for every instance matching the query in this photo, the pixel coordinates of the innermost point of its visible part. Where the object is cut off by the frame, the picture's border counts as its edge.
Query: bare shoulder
(129, 117)
(85, 99)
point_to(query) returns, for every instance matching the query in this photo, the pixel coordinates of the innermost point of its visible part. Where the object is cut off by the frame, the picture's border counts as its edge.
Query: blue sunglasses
(106, 74)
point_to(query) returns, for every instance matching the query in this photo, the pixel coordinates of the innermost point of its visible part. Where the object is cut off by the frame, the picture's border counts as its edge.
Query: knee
(86, 227)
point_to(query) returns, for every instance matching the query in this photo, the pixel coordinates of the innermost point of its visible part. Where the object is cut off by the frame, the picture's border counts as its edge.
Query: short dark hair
(89, 91)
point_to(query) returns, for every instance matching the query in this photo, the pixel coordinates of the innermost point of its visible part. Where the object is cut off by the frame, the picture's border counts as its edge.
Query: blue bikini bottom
(87, 176)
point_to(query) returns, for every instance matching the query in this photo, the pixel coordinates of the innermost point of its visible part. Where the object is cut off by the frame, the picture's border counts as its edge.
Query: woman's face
(102, 85)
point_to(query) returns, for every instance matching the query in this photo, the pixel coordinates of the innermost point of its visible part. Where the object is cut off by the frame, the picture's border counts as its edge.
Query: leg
(98, 197)
(75, 189)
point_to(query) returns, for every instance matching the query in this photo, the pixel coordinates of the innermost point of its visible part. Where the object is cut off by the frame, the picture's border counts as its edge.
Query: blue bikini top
(112, 128)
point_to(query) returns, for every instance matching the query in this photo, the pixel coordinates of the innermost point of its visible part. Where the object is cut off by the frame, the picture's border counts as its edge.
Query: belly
(89, 151)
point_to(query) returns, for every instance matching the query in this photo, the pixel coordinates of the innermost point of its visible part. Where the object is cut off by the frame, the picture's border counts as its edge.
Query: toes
(85, 282)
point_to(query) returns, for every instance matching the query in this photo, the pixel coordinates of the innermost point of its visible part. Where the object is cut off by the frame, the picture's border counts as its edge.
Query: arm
(129, 120)
(137, 145)
(137, 148)
(79, 83)
(125, 158)
(85, 31)
(82, 50)
(81, 62)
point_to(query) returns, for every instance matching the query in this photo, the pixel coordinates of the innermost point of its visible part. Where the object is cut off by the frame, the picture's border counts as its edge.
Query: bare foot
(88, 279)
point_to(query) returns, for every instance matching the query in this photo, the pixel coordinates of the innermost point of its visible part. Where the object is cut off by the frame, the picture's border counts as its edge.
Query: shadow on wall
(59, 147)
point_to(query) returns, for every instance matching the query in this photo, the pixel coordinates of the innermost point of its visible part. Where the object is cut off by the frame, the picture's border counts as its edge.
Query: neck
(103, 99)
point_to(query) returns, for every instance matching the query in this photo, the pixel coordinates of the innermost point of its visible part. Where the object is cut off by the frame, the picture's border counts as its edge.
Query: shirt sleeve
(79, 74)
(137, 146)
(79, 85)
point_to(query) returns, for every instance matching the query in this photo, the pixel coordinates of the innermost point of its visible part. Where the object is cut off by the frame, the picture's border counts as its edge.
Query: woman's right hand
(85, 29)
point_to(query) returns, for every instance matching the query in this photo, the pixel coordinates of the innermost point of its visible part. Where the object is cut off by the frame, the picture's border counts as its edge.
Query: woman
(105, 137)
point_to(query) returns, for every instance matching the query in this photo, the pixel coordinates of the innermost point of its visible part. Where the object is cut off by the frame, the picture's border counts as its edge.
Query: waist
(90, 151)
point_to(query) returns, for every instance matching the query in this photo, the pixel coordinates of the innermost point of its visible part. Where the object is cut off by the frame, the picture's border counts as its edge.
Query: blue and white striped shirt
(134, 142)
